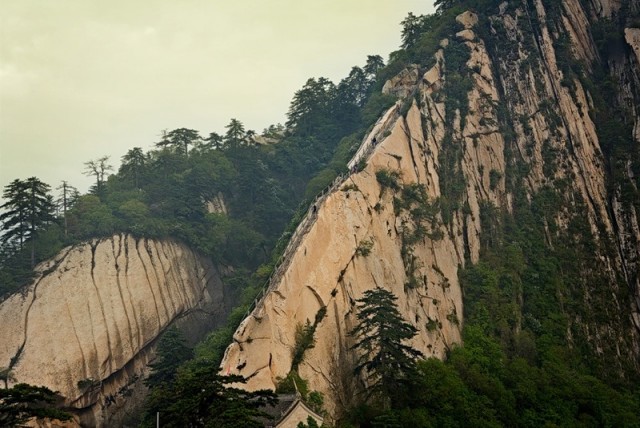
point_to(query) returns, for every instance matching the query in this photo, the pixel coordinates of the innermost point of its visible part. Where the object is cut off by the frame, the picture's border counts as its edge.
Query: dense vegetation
(526, 359)
(172, 191)
(517, 366)
(22, 402)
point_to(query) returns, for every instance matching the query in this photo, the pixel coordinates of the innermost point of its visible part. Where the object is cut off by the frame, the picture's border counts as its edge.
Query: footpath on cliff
(365, 150)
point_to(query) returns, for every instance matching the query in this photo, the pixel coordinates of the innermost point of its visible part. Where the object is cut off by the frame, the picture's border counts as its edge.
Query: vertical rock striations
(501, 116)
(87, 325)
(330, 269)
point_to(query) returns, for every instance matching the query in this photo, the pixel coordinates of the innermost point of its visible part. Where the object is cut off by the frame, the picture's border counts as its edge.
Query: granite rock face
(325, 271)
(87, 325)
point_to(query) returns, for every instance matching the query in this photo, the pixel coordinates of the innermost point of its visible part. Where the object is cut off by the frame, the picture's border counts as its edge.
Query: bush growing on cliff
(23, 402)
(388, 179)
(364, 247)
(304, 340)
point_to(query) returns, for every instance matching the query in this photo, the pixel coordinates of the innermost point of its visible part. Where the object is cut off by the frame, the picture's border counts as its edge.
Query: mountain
(88, 324)
(520, 122)
(487, 176)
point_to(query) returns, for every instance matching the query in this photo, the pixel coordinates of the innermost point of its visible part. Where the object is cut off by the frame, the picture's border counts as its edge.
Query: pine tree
(180, 139)
(98, 168)
(171, 352)
(28, 209)
(22, 402)
(214, 141)
(68, 197)
(133, 163)
(387, 363)
(14, 217)
(201, 397)
(235, 135)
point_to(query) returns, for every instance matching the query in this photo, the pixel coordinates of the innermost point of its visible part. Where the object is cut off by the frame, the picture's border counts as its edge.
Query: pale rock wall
(632, 37)
(557, 112)
(628, 219)
(217, 205)
(325, 271)
(606, 8)
(94, 312)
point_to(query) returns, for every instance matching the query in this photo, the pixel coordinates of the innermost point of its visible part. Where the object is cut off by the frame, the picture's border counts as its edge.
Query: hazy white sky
(80, 79)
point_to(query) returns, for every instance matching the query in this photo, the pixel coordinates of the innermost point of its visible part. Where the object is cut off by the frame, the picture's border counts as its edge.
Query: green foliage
(315, 401)
(27, 211)
(320, 182)
(304, 340)
(171, 352)
(22, 402)
(423, 213)
(422, 37)
(432, 325)
(29, 231)
(388, 179)
(375, 106)
(98, 168)
(179, 140)
(348, 187)
(384, 360)
(200, 397)
(494, 179)
(364, 247)
(481, 384)
(488, 387)
(311, 423)
(213, 346)
(293, 383)
(91, 218)
(422, 222)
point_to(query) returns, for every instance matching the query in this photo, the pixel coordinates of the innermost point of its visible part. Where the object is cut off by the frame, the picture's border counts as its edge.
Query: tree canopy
(29, 208)
(22, 402)
(201, 397)
(385, 360)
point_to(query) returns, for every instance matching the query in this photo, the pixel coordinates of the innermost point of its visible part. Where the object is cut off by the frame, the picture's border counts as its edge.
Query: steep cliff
(507, 112)
(87, 325)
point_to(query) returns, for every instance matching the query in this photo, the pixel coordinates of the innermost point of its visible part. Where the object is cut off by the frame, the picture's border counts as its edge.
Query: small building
(289, 412)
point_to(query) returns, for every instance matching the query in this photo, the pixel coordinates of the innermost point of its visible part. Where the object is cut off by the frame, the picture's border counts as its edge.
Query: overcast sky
(80, 79)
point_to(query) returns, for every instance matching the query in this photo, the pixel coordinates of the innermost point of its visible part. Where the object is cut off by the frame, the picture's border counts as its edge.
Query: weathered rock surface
(558, 141)
(327, 272)
(553, 139)
(93, 313)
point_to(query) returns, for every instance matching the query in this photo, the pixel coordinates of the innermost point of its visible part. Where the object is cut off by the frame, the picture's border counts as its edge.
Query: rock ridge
(87, 325)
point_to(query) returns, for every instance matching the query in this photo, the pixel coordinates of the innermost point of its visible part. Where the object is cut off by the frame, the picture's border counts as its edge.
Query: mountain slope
(523, 113)
(87, 325)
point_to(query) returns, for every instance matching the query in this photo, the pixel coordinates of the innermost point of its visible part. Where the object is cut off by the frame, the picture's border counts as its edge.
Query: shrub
(364, 247)
(388, 179)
